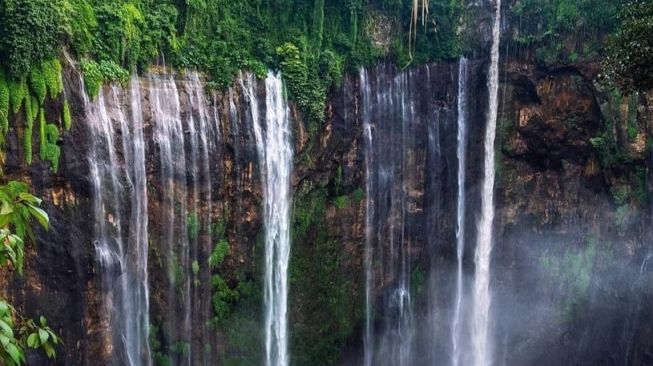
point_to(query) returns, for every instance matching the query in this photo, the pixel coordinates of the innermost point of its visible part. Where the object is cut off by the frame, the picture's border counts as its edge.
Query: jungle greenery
(563, 31)
(312, 41)
(17, 209)
(629, 51)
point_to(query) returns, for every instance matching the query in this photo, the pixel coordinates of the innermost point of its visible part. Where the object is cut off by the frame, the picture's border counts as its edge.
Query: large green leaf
(40, 215)
(6, 209)
(43, 335)
(28, 197)
(14, 352)
(33, 340)
(6, 328)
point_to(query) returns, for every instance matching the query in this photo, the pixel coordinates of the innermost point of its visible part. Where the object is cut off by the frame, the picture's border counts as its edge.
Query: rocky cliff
(572, 240)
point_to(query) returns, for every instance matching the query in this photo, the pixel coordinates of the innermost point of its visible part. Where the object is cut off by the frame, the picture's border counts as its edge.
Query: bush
(29, 33)
(98, 73)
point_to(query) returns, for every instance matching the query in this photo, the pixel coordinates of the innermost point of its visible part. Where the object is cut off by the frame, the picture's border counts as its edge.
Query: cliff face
(570, 274)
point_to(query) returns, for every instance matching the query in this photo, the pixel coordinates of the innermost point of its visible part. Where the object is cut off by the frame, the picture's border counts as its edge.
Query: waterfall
(460, 207)
(138, 226)
(482, 256)
(369, 187)
(389, 121)
(204, 138)
(169, 135)
(275, 156)
(120, 214)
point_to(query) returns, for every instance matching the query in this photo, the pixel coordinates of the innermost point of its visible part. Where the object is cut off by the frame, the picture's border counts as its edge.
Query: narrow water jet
(482, 352)
(461, 152)
(274, 148)
(169, 136)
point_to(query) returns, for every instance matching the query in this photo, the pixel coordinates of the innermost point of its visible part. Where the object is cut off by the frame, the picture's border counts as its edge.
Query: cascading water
(275, 156)
(460, 208)
(482, 353)
(389, 129)
(169, 135)
(203, 140)
(187, 143)
(120, 202)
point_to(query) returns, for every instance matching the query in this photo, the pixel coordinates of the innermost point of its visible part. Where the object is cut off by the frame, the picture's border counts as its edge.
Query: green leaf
(30, 198)
(49, 350)
(53, 337)
(4, 340)
(40, 215)
(15, 353)
(6, 208)
(3, 307)
(43, 335)
(43, 321)
(6, 328)
(33, 340)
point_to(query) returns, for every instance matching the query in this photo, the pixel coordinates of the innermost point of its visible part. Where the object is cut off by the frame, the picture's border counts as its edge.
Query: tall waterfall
(120, 213)
(460, 208)
(369, 221)
(482, 353)
(186, 142)
(275, 156)
(389, 121)
(169, 134)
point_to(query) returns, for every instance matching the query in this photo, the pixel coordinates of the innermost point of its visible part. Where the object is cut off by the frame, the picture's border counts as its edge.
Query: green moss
(358, 195)
(326, 302)
(27, 145)
(193, 226)
(52, 77)
(42, 138)
(571, 271)
(34, 106)
(65, 115)
(48, 135)
(341, 202)
(219, 253)
(37, 83)
(4, 105)
(17, 94)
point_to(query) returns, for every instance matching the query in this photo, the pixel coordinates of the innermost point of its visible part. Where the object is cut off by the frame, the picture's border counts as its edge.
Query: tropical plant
(17, 209)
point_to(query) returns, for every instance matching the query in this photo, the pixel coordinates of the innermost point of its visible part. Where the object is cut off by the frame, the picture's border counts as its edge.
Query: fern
(51, 151)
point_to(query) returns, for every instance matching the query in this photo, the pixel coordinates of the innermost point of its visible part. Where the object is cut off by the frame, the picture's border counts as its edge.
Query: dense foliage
(630, 49)
(312, 41)
(17, 208)
(563, 30)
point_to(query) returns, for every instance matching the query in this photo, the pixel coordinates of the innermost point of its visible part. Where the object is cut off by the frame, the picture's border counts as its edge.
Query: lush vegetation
(17, 209)
(563, 30)
(312, 41)
(629, 50)
(324, 290)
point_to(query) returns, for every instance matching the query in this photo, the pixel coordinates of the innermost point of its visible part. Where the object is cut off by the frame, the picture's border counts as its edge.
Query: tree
(629, 50)
(17, 210)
